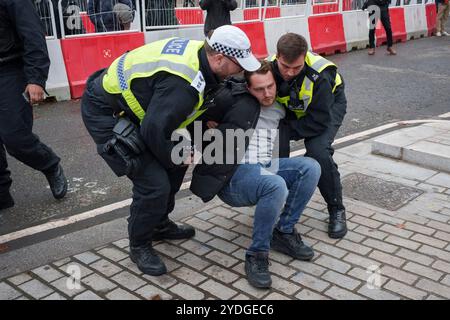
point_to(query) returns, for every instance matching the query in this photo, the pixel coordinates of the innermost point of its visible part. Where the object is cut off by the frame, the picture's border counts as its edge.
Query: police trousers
(319, 148)
(154, 187)
(16, 124)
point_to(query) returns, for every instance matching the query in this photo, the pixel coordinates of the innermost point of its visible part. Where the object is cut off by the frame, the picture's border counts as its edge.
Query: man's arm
(318, 114)
(35, 55)
(172, 102)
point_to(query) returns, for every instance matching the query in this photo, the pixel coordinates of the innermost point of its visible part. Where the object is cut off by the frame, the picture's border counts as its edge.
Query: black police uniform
(167, 100)
(23, 60)
(318, 128)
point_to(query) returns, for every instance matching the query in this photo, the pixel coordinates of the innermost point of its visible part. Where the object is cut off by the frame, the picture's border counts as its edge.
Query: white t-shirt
(261, 144)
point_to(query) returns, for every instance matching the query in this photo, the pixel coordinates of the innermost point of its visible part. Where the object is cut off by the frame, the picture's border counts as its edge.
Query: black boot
(291, 244)
(337, 227)
(57, 181)
(147, 260)
(6, 201)
(171, 231)
(257, 269)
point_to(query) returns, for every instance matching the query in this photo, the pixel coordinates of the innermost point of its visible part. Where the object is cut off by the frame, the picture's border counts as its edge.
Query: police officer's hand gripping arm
(35, 54)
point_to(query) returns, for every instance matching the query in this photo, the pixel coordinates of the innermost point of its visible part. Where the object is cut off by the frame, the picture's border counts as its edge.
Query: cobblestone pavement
(402, 254)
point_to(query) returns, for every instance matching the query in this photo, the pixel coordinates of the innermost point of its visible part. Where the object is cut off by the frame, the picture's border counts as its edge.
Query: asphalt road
(381, 89)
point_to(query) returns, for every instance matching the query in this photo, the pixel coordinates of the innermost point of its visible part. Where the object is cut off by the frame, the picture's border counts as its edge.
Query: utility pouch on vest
(127, 144)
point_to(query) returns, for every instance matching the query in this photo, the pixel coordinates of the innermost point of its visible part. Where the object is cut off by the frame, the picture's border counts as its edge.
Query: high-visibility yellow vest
(318, 64)
(175, 55)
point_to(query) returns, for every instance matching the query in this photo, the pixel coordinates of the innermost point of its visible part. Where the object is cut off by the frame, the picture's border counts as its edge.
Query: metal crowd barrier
(67, 18)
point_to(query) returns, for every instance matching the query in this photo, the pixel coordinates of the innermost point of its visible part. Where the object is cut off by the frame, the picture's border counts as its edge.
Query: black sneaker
(257, 269)
(147, 260)
(291, 244)
(57, 181)
(337, 227)
(171, 231)
(6, 201)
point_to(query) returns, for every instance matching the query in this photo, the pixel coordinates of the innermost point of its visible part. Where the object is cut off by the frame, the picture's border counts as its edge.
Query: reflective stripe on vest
(318, 64)
(176, 56)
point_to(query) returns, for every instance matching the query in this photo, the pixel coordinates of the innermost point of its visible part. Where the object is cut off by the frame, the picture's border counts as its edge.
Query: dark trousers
(319, 148)
(16, 124)
(154, 187)
(386, 21)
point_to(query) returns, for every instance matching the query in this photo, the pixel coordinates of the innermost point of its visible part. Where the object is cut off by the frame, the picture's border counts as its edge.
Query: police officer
(131, 110)
(24, 65)
(312, 89)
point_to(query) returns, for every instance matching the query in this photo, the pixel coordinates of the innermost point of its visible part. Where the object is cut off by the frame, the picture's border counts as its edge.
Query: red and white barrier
(256, 34)
(85, 55)
(356, 29)
(275, 28)
(430, 11)
(327, 33)
(237, 15)
(415, 21)
(57, 84)
(75, 58)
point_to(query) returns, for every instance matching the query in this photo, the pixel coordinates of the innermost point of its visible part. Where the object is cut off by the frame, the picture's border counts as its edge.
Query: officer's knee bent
(321, 155)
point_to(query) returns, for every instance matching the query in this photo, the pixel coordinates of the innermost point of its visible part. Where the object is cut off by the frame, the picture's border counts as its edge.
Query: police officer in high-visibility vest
(312, 89)
(132, 109)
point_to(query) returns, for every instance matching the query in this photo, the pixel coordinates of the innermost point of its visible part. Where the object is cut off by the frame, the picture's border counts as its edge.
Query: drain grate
(380, 193)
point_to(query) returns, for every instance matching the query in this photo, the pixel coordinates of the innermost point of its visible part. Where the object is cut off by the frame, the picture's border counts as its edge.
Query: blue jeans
(280, 190)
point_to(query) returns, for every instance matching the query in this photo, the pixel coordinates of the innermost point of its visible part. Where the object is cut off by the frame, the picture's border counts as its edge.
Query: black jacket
(218, 12)
(167, 100)
(235, 108)
(22, 40)
(318, 114)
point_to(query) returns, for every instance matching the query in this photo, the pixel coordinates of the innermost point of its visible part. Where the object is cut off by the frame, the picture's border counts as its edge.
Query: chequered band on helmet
(232, 52)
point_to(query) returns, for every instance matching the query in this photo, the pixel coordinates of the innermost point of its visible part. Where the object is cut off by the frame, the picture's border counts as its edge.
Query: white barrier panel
(275, 28)
(293, 10)
(356, 29)
(194, 33)
(57, 84)
(416, 21)
(237, 15)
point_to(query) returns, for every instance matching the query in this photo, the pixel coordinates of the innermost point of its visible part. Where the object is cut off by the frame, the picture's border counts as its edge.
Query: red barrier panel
(347, 5)
(189, 16)
(253, 14)
(255, 32)
(430, 10)
(325, 8)
(397, 24)
(327, 34)
(84, 55)
(87, 23)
